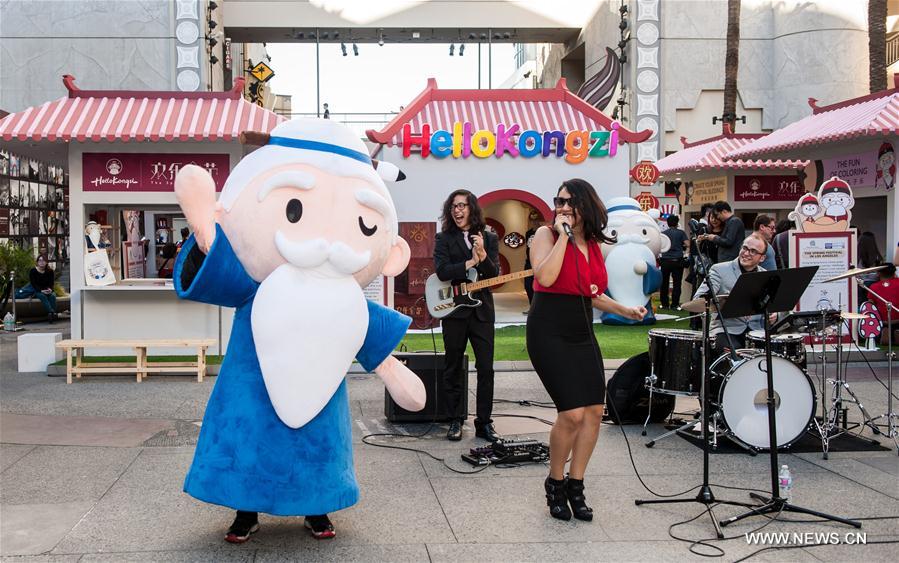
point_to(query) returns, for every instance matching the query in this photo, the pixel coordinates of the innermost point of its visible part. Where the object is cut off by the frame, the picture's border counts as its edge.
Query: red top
(888, 289)
(594, 279)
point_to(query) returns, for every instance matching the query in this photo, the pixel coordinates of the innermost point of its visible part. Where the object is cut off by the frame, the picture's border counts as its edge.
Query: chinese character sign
(141, 172)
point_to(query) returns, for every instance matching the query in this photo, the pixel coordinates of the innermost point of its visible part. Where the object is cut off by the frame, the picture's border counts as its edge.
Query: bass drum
(743, 393)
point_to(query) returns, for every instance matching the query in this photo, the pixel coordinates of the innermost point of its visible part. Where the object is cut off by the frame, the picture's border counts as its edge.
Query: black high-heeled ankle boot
(574, 488)
(556, 499)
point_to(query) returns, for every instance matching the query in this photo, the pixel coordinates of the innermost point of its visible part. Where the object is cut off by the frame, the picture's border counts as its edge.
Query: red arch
(517, 195)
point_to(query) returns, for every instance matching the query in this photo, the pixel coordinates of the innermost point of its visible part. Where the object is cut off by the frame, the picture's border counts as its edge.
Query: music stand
(765, 293)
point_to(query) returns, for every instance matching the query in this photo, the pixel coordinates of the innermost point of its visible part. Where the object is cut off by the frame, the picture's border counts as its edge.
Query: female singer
(569, 277)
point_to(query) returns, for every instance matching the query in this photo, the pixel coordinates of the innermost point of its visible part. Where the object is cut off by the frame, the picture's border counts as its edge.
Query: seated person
(41, 286)
(721, 279)
(887, 287)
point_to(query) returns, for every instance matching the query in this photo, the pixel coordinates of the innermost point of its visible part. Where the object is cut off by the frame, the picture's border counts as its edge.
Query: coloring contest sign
(140, 172)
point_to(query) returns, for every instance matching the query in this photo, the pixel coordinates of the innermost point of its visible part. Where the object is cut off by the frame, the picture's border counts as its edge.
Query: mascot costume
(631, 261)
(302, 225)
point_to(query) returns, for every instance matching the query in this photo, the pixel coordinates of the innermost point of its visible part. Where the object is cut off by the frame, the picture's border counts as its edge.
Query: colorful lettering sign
(645, 173)
(139, 172)
(767, 188)
(464, 141)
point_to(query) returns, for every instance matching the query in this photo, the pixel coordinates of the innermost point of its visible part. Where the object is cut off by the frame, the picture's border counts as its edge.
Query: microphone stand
(705, 496)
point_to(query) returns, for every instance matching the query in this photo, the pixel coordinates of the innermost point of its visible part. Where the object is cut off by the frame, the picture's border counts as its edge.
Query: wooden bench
(75, 364)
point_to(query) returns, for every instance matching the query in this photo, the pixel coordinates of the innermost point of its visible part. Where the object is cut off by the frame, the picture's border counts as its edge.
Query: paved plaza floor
(93, 472)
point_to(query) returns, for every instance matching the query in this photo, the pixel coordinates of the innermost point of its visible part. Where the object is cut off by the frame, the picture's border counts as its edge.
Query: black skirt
(564, 351)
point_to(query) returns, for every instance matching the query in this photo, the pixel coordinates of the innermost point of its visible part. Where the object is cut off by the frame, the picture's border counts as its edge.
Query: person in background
(764, 228)
(868, 257)
(185, 232)
(464, 243)
(781, 242)
(672, 262)
(41, 280)
(732, 233)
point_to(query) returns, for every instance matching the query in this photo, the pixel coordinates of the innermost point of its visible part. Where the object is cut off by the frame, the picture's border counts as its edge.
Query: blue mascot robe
(246, 458)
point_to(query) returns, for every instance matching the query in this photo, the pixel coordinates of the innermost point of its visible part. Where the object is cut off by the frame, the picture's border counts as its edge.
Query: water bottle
(785, 479)
(9, 322)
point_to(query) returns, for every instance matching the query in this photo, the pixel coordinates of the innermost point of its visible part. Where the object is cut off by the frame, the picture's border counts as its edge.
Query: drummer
(722, 277)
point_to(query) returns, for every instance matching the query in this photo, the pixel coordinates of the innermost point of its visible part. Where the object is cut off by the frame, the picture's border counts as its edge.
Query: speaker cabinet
(429, 368)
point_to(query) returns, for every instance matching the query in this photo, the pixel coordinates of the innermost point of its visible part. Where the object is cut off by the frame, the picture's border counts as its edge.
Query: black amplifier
(429, 368)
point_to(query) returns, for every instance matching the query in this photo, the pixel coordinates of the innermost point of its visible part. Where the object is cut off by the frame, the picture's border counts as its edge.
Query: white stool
(38, 350)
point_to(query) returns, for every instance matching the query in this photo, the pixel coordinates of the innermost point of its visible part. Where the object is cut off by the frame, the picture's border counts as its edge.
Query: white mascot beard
(309, 321)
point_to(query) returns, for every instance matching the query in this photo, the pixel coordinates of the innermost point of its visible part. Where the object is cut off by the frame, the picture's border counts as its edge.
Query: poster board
(834, 254)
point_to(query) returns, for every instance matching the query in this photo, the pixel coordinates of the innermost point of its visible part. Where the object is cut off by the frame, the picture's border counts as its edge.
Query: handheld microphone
(567, 228)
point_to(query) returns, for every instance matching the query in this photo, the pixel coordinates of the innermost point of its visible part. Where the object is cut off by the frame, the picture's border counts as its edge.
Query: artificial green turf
(614, 341)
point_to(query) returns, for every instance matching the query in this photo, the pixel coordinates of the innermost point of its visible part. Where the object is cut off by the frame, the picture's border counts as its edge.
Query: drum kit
(737, 382)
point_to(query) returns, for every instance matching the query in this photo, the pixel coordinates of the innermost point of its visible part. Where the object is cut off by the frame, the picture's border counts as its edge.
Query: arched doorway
(512, 214)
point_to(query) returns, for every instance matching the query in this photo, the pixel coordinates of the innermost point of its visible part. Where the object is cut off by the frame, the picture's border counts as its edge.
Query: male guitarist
(464, 243)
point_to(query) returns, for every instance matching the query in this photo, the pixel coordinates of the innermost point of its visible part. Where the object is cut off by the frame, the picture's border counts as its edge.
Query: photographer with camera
(733, 231)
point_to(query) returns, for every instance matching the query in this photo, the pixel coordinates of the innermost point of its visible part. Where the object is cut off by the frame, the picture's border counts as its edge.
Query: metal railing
(357, 121)
(892, 49)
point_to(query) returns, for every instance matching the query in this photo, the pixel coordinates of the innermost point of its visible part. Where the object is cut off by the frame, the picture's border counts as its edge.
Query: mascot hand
(404, 386)
(195, 191)
(640, 268)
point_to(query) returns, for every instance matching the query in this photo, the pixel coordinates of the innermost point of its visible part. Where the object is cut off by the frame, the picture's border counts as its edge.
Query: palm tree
(731, 64)
(877, 37)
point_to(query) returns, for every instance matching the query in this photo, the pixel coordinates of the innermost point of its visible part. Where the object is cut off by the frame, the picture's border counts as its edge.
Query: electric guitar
(443, 297)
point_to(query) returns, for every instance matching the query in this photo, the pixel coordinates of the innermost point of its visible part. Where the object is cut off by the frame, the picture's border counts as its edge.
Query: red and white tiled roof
(546, 109)
(711, 154)
(103, 115)
(872, 116)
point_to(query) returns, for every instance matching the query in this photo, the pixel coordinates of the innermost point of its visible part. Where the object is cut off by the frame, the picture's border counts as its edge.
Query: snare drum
(676, 357)
(789, 346)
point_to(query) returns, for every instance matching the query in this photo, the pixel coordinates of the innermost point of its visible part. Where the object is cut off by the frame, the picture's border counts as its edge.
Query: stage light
(213, 5)
(211, 24)
(472, 36)
(213, 59)
(507, 35)
(380, 38)
(355, 50)
(212, 42)
(343, 48)
(461, 49)
(452, 48)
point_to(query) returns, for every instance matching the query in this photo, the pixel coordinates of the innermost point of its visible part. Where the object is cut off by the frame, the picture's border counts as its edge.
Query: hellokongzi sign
(141, 172)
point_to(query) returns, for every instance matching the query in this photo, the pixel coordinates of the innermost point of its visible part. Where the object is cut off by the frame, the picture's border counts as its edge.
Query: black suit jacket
(450, 255)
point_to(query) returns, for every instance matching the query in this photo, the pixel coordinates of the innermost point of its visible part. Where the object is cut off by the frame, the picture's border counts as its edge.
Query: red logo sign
(138, 172)
(645, 173)
(647, 201)
(767, 188)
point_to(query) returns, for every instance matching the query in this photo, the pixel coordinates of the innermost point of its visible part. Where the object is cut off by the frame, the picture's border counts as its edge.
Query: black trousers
(456, 332)
(671, 269)
(720, 342)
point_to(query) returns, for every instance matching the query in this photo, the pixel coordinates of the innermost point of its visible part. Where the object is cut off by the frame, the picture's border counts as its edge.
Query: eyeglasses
(561, 202)
(750, 251)
(460, 205)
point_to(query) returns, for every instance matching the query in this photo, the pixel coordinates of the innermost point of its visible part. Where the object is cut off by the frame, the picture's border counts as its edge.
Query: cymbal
(698, 305)
(856, 272)
(853, 316)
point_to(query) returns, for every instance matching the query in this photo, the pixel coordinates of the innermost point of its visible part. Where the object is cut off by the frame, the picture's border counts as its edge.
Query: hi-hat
(856, 272)
(698, 305)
